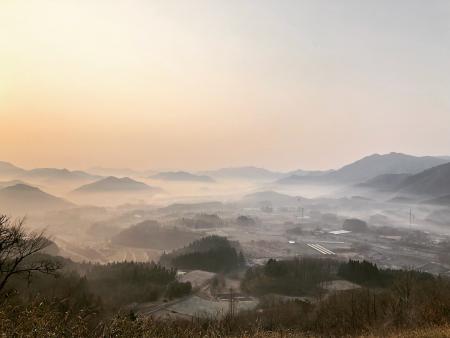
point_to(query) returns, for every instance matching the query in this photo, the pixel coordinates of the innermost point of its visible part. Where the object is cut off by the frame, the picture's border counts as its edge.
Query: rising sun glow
(221, 83)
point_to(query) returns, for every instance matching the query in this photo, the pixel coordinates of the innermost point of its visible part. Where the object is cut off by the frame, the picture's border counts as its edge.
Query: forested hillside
(212, 253)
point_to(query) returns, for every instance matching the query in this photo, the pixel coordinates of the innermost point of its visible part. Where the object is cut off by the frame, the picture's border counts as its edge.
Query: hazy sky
(203, 84)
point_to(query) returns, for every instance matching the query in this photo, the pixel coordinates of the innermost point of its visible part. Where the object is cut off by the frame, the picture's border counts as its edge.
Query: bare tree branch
(18, 250)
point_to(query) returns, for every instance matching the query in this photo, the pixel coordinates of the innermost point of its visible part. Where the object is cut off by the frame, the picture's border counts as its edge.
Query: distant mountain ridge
(59, 174)
(243, 173)
(182, 176)
(393, 163)
(117, 172)
(114, 184)
(370, 167)
(359, 171)
(44, 174)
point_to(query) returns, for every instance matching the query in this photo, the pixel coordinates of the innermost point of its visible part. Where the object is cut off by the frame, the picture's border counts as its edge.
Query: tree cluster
(212, 253)
(297, 277)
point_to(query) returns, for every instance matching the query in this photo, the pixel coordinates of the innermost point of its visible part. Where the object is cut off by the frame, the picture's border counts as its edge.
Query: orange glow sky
(204, 84)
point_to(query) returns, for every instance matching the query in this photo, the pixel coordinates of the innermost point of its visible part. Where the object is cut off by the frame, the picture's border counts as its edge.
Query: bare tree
(18, 250)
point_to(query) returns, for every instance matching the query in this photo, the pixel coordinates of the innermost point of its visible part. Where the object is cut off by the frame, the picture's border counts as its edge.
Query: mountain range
(370, 167)
(54, 174)
(10, 171)
(387, 172)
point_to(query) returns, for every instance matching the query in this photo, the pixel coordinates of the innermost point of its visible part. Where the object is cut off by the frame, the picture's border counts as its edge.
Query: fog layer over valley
(403, 200)
(236, 241)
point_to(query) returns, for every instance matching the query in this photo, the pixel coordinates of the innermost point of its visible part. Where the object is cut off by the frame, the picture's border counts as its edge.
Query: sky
(207, 84)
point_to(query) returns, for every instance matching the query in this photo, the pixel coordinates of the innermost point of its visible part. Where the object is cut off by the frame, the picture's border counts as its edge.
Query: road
(164, 306)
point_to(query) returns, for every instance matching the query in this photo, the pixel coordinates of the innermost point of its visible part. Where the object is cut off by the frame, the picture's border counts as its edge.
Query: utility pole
(231, 310)
(300, 208)
(411, 218)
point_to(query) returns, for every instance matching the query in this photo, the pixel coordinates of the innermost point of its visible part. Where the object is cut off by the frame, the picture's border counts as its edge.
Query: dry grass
(432, 332)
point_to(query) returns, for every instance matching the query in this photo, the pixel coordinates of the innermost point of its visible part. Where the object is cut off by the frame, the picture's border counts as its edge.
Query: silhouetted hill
(23, 198)
(182, 176)
(150, 234)
(432, 182)
(10, 170)
(370, 167)
(273, 197)
(443, 201)
(5, 184)
(45, 175)
(393, 163)
(385, 182)
(54, 174)
(114, 184)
